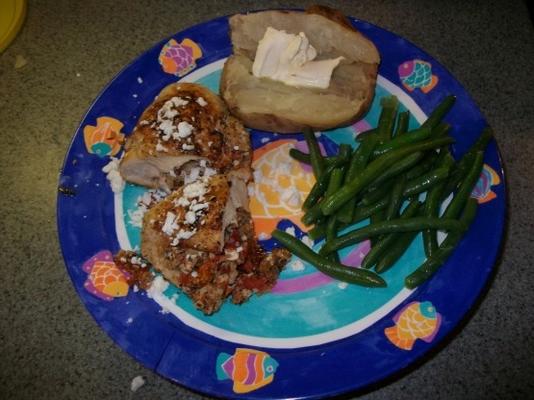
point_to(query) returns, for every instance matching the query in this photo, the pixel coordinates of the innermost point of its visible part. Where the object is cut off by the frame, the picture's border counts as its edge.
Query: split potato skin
(265, 104)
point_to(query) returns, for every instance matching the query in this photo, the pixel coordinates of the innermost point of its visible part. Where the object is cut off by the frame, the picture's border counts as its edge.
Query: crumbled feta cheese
(158, 286)
(139, 80)
(188, 147)
(161, 148)
(134, 95)
(182, 201)
(144, 122)
(178, 101)
(210, 143)
(184, 129)
(137, 382)
(190, 217)
(236, 147)
(129, 320)
(196, 189)
(200, 206)
(113, 175)
(169, 226)
(194, 274)
(202, 102)
(239, 249)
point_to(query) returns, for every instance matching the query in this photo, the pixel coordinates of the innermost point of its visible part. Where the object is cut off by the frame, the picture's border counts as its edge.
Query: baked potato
(265, 104)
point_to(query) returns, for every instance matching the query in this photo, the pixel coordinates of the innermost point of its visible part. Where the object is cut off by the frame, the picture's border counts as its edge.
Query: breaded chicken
(185, 123)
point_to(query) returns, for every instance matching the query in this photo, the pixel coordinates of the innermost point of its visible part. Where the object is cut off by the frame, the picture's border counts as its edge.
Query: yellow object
(12, 13)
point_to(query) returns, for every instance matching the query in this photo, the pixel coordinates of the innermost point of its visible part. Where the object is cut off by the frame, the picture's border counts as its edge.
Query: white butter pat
(288, 58)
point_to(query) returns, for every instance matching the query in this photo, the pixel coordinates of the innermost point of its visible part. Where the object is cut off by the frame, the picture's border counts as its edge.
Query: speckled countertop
(52, 348)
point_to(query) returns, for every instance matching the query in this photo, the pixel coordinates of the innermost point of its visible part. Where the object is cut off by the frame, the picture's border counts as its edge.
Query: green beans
(386, 121)
(432, 264)
(317, 190)
(465, 162)
(376, 193)
(393, 253)
(316, 159)
(386, 242)
(334, 161)
(432, 205)
(398, 168)
(394, 225)
(403, 121)
(331, 268)
(395, 198)
(439, 112)
(332, 203)
(403, 140)
(458, 201)
(391, 165)
(359, 160)
(425, 182)
(359, 214)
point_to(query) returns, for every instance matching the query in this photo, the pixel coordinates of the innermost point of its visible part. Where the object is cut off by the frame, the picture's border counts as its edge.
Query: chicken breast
(201, 238)
(185, 124)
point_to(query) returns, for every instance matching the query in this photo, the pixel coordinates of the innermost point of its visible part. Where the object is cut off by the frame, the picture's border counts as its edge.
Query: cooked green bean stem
(336, 180)
(316, 159)
(358, 161)
(466, 187)
(317, 190)
(302, 157)
(441, 129)
(376, 193)
(331, 204)
(331, 268)
(439, 112)
(403, 121)
(403, 140)
(397, 168)
(394, 225)
(432, 264)
(393, 253)
(395, 198)
(432, 205)
(465, 162)
(386, 121)
(425, 182)
(388, 240)
(424, 166)
(360, 213)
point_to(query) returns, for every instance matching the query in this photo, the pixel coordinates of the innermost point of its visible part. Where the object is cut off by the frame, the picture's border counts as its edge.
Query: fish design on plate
(249, 369)
(482, 191)
(179, 58)
(281, 184)
(104, 280)
(417, 74)
(415, 321)
(104, 139)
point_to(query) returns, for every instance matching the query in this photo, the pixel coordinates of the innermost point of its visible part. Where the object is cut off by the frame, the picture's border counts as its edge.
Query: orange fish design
(105, 280)
(482, 190)
(249, 369)
(179, 58)
(280, 187)
(415, 321)
(104, 139)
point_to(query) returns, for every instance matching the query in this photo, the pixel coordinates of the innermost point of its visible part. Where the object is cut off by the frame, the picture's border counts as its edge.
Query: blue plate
(312, 336)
